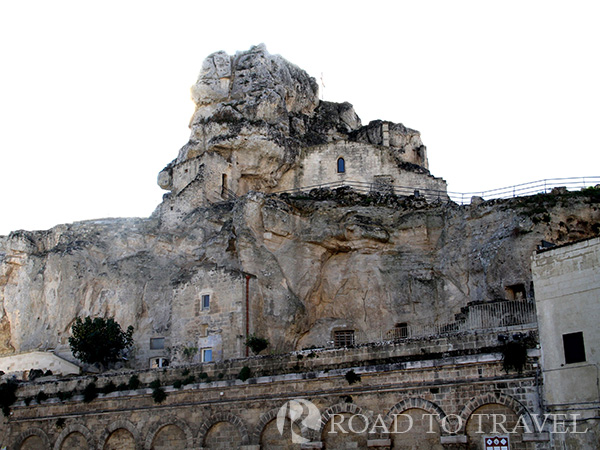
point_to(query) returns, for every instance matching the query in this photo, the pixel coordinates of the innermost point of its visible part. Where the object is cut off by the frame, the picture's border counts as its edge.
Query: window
(157, 343)
(343, 338)
(206, 354)
(341, 165)
(401, 330)
(205, 301)
(574, 347)
(224, 185)
(157, 363)
(516, 292)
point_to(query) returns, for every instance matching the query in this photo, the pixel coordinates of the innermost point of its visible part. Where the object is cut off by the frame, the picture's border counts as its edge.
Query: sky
(95, 96)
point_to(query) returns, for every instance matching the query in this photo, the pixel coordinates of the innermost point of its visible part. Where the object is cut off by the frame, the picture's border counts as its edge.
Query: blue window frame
(206, 301)
(341, 165)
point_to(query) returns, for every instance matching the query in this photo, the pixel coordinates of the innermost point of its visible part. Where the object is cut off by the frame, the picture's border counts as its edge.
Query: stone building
(567, 288)
(383, 301)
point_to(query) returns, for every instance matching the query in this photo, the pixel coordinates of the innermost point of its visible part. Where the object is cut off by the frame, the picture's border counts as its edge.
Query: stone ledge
(310, 445)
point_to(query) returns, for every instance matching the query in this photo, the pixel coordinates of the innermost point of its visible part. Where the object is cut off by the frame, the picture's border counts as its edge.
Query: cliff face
(321, 261)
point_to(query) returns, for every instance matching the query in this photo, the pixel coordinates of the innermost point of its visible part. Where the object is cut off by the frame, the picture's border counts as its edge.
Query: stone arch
(114, 426)
(342, 408)
(223, 417)
(74, 428)
(498, 398)
(34, 431)
(262, 423)
(189, 436)
(418, 403)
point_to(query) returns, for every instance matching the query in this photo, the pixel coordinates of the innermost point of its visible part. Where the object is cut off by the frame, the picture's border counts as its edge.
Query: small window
(574, 347)
(224, 185)
(207, 355)
(343, 338)
(515, 292)
(157, 343)
(205, 301)
(157, 363)
(341, 165)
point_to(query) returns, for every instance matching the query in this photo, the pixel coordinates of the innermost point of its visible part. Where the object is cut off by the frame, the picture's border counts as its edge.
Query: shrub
(108, 388)
(352, 377)
(256, 344)
(155, 384)
(90, 392)
(122, 387)
(245, 373)
(158, 394)
(40, 397)
(7, 396)
(134, 382)
(189, 380)
(64, 395)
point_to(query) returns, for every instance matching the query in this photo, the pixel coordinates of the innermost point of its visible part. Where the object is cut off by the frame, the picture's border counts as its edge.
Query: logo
(302, 413)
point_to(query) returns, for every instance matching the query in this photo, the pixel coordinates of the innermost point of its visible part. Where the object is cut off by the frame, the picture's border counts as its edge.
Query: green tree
(256, 344)
(99, 341)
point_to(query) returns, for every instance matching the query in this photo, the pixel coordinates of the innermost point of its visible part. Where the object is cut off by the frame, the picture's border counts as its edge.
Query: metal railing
(485, 316)
(368, 188)
(518, 190)
(524, 189)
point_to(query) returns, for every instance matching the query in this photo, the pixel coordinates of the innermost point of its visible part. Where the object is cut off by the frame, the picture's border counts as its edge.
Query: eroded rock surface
(321, 261)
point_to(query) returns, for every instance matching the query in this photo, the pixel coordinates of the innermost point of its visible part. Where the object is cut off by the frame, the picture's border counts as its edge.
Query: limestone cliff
(321, 261)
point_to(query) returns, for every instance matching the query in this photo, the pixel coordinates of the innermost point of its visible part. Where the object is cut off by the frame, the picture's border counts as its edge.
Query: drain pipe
(247, 310)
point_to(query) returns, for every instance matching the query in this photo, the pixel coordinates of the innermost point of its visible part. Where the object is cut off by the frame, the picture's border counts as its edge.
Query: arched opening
(120, 439)
(223, 436)
(341, 165)
(33, 443)
(493, 420)
(169, 437)
(272, 438)
(345, 430)
(75, 440)
(415, 429)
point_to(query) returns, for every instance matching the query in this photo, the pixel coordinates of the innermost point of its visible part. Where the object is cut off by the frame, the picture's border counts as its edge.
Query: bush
(108, 388)
(159, 395)
(245, 373)
(352, 377)
(155, 384)
(90, 392)
(40, 397)
(122, 387)
(64, 395)
(134, 382)
(27, 400)
(178, 384)
(256, 344)
(7, 396)
(189, 380)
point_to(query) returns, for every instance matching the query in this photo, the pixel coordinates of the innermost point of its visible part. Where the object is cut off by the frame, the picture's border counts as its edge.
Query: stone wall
(235, 414)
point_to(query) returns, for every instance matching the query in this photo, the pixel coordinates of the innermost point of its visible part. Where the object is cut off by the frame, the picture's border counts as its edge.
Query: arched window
(341, 165)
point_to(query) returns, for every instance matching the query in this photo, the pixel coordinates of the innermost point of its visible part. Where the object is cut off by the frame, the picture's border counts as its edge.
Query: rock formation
(307, 263)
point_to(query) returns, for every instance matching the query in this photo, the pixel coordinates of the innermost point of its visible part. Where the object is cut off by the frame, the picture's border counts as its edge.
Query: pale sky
(94, 96)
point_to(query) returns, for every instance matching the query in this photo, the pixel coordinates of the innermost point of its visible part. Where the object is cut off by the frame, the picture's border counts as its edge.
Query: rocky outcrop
(255, 111)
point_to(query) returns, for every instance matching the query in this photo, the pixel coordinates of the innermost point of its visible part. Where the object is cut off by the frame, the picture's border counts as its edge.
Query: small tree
(99, 341)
